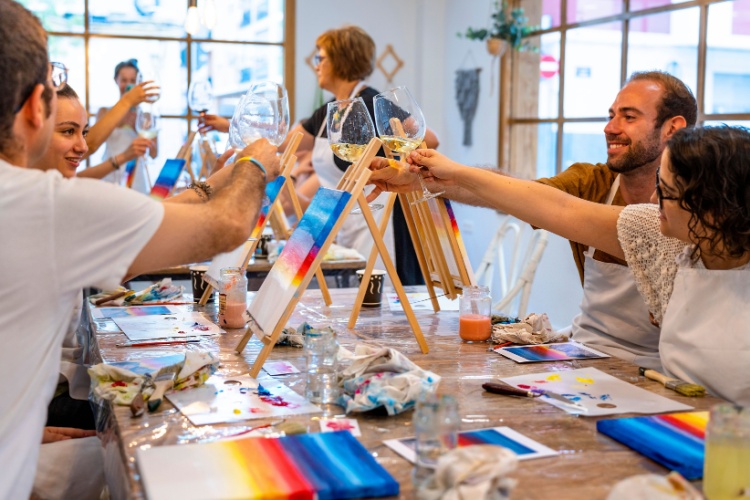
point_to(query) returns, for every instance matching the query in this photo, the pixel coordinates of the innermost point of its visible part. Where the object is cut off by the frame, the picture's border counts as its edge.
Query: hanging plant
(505, 27)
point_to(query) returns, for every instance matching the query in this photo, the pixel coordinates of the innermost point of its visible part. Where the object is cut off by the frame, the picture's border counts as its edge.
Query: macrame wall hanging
(467, 97)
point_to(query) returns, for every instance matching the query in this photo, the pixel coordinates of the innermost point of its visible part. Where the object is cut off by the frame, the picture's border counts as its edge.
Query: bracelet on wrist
(113, 160)
(256, 163)
(203, 190)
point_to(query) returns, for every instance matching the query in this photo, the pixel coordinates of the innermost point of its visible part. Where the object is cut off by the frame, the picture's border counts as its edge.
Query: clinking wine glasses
(401, 126)
(263, 113)
(350, 130)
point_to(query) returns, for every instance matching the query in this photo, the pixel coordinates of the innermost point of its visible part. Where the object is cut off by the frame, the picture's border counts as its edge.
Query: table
(589, 463)
(342, 271)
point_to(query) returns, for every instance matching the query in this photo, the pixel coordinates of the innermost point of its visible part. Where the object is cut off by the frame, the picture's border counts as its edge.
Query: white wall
(423, 33)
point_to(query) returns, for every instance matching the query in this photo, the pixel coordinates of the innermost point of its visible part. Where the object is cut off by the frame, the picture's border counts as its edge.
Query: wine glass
(350, 130)
(263, 113)
(401, 126)
(200, 95)
(147, 121)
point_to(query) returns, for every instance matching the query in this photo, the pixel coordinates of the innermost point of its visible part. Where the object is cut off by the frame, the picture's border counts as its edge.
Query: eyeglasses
(58, 78)
(660, 194)
(317, 59)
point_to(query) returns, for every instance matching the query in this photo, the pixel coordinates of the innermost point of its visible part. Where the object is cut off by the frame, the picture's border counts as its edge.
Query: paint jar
(436, 424)
(321, 349)
(475, 309)
(726, 469)
(232, 297)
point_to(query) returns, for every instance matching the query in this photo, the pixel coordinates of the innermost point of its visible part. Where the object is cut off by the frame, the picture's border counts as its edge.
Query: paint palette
(304, 466)
(237, 399)
(677, 440)
(599, 393)
(506, 437)
(167, 326)
(549, 352)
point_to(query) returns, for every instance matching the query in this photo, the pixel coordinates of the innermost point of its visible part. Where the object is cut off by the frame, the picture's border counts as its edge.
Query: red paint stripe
(309, 258)
(676, 421)
(295, 484)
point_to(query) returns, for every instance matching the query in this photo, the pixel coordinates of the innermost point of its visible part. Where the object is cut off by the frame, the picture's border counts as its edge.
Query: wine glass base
(374, 207)
(426, 197)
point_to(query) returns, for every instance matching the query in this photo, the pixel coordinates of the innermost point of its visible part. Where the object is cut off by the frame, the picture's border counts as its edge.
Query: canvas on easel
(240, 256)
(303, 253)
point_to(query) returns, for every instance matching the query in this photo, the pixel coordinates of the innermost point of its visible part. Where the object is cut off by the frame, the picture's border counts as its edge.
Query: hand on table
(208, 122)
(54, 434)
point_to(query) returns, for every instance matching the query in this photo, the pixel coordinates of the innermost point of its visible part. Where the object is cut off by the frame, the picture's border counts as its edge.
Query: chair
(517, 273)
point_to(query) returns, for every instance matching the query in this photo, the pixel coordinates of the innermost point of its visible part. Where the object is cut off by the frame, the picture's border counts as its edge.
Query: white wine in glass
(401, 126)
(350, 130)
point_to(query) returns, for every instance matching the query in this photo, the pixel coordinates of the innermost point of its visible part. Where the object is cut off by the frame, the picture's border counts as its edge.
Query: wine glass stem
(425, 191)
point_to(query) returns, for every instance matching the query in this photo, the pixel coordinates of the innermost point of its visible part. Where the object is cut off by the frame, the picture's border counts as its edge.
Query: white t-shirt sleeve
(650, 255)
(99, 230)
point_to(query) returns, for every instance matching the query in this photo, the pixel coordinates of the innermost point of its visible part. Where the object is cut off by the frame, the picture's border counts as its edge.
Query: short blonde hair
(351, 52)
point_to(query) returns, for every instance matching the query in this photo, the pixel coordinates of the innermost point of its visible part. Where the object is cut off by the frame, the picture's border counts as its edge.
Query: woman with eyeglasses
(689, 251)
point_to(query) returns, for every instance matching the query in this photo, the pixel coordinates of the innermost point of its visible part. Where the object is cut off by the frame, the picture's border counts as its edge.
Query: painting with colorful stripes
(272, 192)
(294, 264)
(326, 466)
(167, 178)
(457, 234)
(675, 440)
(506, 437)
(549, 352)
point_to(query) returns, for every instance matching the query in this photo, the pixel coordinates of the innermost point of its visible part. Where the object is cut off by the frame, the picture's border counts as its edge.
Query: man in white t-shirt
(62, 235)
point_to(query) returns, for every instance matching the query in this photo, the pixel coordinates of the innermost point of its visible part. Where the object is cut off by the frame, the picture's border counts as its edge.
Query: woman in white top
(690, 254)
(123, 146)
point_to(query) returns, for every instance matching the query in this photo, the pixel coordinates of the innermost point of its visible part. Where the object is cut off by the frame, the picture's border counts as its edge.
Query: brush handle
(654, 375)
(160, 387)
(508, 390)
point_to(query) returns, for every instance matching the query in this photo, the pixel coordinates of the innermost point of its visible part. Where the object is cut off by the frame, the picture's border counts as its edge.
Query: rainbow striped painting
(272, 192)
(506, 437)
(130, 173)
(167, 178)
(325, 466)
(675, 440)
(295, 262)
(549, 352)
(444, 234)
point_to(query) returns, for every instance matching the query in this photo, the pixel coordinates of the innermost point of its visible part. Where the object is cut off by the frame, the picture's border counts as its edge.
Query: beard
(639, 154)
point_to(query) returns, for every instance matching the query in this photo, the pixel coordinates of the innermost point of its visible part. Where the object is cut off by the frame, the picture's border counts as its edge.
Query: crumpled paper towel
(381, 376)
(654, 487)
(294, 338)
(120, 385)
(533, 329)
(475, 472)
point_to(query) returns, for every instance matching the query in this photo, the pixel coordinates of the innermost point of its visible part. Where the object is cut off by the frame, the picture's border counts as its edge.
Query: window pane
(233, 68)
(161, 61)
(728, 58)
(583, 142)
(537, 96)
(70, 51)
(246, 21)
(592, 70)
(542, 13)
(58, 15)
(163, 18)
(668, 42)
(636, 5)
(583, 10)
(535, 150)
(732, 123)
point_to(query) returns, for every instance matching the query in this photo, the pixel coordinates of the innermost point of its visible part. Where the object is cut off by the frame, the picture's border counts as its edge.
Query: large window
(584, 51)
(251, 41)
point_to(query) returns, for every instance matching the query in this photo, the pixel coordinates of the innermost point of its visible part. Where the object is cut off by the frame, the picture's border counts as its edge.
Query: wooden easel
(353, 182)
(287, 162)
(184, 153)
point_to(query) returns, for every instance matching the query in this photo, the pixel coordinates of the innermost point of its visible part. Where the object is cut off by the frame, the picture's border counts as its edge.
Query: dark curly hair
(711, 166)
(676, 100)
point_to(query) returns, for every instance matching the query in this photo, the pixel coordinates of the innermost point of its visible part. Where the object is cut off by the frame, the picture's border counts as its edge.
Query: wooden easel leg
(389, 267)
(419, 250)
(206, 295)
(371, 263)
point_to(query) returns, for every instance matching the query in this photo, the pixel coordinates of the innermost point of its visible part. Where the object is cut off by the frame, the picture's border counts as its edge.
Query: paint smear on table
(167, 326)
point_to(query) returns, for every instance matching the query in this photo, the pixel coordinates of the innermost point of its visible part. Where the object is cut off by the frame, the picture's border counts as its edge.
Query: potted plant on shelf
(508, 28)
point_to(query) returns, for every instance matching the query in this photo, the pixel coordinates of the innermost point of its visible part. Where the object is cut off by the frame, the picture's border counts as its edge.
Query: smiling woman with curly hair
(689, 251)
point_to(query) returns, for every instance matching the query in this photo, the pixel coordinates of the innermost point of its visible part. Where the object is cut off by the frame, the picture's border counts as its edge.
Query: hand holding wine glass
(262, 113)
(200, 96)
(401, 126)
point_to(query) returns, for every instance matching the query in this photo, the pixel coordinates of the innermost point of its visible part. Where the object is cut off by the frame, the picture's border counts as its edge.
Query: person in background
(46, 217)
(123, 145)
(646, 113)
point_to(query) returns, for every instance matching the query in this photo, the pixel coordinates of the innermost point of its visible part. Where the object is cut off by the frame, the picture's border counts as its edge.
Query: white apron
(706, 331)
(354, 232)
(117, 142)
(614, 317)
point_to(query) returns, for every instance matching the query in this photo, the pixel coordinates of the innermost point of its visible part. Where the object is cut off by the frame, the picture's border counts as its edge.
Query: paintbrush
(108, 298)
(677, 385)
(163, 381)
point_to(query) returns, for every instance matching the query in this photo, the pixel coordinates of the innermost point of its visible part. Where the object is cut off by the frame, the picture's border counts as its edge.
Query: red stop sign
(548, 66)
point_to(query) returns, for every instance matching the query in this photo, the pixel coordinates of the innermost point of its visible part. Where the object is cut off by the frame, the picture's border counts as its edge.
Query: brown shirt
(592, 183)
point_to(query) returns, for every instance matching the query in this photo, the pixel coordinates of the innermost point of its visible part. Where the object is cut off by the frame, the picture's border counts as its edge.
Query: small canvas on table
(549, 352)
(598, 392)
(676, 440)
(167, 326)
(305, 466)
